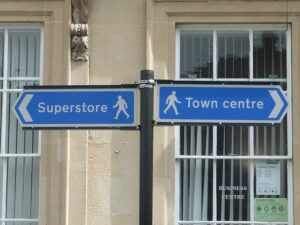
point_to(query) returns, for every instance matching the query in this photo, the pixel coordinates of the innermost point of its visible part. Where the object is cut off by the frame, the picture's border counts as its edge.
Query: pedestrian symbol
(122, 106)
(171, 102)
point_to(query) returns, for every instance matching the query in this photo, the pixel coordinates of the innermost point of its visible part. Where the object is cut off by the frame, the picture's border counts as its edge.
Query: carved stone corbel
(79, 31)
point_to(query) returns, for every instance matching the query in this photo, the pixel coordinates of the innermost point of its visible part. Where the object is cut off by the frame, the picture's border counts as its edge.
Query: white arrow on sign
(23, 108)
(278, 104)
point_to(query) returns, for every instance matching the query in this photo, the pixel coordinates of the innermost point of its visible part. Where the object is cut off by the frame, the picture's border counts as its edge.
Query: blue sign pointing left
(72, 108)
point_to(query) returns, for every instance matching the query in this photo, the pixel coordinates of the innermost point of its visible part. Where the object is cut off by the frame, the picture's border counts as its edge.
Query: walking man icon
(122, 104)
(171, 101)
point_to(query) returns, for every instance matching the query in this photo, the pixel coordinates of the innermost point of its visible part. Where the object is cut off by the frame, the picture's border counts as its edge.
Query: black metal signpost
(146, 147)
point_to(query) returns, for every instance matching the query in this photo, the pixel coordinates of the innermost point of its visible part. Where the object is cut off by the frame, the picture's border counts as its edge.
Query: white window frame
(251, 156)
(5, 91)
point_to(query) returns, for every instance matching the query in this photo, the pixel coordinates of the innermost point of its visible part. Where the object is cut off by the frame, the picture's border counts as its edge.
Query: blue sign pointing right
(221, 104)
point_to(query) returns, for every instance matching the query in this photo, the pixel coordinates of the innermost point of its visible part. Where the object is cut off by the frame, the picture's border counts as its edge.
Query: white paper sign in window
(268, 177)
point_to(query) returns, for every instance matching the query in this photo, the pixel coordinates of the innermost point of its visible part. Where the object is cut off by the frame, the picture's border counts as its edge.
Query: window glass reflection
(233, 190)
(232, 140)
(271, 140)
(196, 140)
(233, 54)
(196, 54)
(269, 54)
(196, 178)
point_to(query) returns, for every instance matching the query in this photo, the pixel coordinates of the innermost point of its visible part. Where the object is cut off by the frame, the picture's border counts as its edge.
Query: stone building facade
(92, 176)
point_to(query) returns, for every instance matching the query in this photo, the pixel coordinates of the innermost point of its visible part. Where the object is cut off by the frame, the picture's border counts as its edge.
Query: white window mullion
(215, 174)
(177, 55)
(4, 94)
(251, 55)
(251, 170)
(290, 194)
(289, 125)
(4, 122)
(289, 91)
(177, 137)
(177, 175)
(215, 56)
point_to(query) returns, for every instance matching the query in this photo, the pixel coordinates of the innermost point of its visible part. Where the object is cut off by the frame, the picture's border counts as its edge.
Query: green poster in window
(271, 210)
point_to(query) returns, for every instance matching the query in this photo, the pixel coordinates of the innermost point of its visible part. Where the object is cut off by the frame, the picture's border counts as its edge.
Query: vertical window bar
(177, 182)
(241, 59)
(289, 125)
(265, 141)
(18, 181)
(201, 55)
(289, 91)
(282, 163)
(251, 169)
(251, 55)
(215, 139)
(280, 58)
(177, 56)
(290, 192)
(241, 172)
(185, 191)
(233, 56)
(231, 175)
(4, 122)
(193, 56)
(27, 58)
(215, 56)
(223, 177)
(177, 132)
(209, 56)
(273, 144)
(265, 62)
(225, 56)
(273, 57)
(198, 177)
(205, 188)
(257, 152)
(192, 174)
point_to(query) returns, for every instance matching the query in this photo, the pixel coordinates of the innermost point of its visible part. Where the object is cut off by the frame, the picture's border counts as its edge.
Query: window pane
(232, 140)
(233, 194)
(269, 54)
(22, 188)
(271, 140)
(196, 54)
(1, 52)
(18, 140)
(21, 84)
(196, 178)
(196, 140)
(233, 54)
(24, 53)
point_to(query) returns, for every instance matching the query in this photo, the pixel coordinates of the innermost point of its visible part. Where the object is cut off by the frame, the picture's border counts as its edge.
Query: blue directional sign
(221, 104)
(77, 108)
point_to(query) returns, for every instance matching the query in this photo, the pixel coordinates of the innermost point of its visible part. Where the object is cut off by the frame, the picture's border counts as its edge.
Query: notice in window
(268, 177)
(271, 210)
